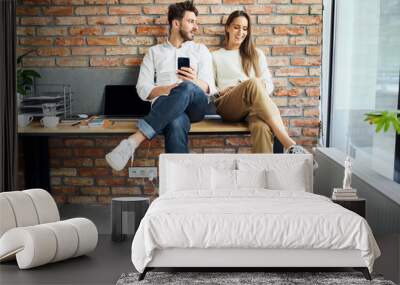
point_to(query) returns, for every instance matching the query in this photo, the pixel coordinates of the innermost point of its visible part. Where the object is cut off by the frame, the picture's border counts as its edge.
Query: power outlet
(143, 172)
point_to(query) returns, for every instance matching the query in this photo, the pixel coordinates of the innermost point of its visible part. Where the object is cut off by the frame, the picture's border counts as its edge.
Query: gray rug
(243, 278)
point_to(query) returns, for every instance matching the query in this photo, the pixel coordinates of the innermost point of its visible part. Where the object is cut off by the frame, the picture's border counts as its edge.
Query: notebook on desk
(122, 102)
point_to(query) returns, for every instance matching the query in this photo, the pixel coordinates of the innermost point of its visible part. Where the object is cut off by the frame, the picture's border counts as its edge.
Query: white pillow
(182, 178)
(251, 178)
(224, 179)
(293, 179)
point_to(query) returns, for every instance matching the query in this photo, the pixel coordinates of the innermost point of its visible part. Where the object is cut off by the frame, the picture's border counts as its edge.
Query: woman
(244, 83)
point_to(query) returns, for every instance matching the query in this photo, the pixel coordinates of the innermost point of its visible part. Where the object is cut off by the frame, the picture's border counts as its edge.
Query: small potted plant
(383, 120)
(25, 77)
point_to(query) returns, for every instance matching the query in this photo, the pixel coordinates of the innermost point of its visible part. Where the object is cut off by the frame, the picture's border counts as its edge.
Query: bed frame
(256, 258)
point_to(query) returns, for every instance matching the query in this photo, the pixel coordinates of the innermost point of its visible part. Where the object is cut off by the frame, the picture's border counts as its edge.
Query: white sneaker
(120, 155)
(297, 149)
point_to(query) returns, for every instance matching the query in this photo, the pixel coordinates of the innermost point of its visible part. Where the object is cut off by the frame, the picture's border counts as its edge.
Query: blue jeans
(171, 115)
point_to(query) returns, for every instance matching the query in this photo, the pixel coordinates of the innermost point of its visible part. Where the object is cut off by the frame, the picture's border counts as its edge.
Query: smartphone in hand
(183, 62)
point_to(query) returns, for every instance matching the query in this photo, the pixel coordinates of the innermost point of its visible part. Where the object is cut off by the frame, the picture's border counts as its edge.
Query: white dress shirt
(160, 65)
(228, 69)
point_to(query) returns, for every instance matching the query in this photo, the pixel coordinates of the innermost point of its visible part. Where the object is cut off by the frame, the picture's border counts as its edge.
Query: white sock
(133, 143)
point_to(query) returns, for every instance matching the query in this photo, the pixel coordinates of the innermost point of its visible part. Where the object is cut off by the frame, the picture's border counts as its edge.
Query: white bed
(204, 219)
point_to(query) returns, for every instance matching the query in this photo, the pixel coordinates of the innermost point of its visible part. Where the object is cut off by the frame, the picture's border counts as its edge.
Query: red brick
(60, 199)
(209, 20)
(69, 21)
(290, 71)
(272, 40)
(121, 50)
(55, 163)
(307, 40)
(36, 21)
(89, 152)
(278, 61)
(239, 1)
(155, 10)
(36, 2)
(307, 81)
(197, 142)
(294, 132)
(304, 101)
(220, 9)
(219, 150)
(81, 199)
(91, 10)
(105, 61)
(104, 2)
(100, 162)
(306, 61)
(203, 9)
(304, 122)
(53, 31)
(258, 9)
(292, 92)
(110, 142)
(78, 181)
(311, 132)
(291, 112)
(85, 31)
(68, 2)
(126, 190)
(287, 50)
(306, 20)
(288, 30)
(38, 62)
(306, 1)
(71, 41)
(261, 30)
(111, 181)
(244, 150)
(311, 112)
(119, 30)
(37, 41)
(313, 91)
(78, 162)
(214, 30)
(197, 2)
(79, 142)
(132, 61)
(274, 19)
(53, 51)
(124, 10)
(54, 181)
(135, 1)
(103, 20)
(274, 1)
(88, 51)
(137, 20)
(316, 50)
(316, 9)
(63, 172)
(314, 30)
(306, 141)
(104, 199)
(94, 171)
(212, 41)
(25, 31)
(291, 9)
(151, 30)
(152, 153)
(136, 41)
(102, 41)
(63, 190)
(57, 11)
(95, 190)
(314, 71)
(27, 11)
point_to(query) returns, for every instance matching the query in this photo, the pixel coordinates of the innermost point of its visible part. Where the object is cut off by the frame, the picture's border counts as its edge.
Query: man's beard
(185, 35)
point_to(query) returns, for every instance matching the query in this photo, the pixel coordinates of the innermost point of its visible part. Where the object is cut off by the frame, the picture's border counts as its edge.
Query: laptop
(123, 102)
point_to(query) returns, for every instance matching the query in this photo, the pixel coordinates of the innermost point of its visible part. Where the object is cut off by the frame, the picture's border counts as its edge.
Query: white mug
(50, 121)
(24, 120)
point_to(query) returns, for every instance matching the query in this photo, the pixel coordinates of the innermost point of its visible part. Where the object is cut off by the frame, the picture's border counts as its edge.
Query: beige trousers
(248, 101)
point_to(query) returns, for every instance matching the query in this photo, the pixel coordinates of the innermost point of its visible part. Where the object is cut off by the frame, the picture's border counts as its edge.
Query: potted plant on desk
(25, 78)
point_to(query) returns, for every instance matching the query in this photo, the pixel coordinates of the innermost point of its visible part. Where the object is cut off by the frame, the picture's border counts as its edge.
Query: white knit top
(228, 69)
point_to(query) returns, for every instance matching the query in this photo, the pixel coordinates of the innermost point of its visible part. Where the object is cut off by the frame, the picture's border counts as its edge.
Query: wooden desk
(205, 126)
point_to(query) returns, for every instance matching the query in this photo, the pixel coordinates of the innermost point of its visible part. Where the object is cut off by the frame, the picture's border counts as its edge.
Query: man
(178, 96)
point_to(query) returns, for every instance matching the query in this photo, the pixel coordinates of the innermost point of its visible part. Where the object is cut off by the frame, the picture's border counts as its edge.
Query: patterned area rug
(244, 278)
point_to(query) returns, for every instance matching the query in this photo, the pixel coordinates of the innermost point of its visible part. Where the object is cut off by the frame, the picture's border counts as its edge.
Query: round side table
(137, 205)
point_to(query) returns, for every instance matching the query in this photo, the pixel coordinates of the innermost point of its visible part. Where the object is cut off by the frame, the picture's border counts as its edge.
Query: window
(365, 77)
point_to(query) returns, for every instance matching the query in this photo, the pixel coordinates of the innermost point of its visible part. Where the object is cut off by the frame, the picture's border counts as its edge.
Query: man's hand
(161, 91)
(187, 73)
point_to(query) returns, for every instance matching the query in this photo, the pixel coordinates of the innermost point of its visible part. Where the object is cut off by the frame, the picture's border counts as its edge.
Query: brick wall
(117, 33)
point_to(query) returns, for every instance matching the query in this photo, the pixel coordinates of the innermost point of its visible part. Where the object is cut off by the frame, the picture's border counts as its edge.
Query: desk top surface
(205, 126)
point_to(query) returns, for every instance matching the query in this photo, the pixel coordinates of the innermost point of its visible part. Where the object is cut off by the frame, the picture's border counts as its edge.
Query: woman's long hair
(248, 52)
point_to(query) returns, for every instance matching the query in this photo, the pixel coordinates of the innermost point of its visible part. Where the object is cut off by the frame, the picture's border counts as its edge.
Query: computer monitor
(123, 101)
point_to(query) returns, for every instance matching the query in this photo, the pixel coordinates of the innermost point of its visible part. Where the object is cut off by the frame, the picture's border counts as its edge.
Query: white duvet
(252, 218)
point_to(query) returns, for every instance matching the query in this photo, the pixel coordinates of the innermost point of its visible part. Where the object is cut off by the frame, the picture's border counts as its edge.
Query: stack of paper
(344, 194)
